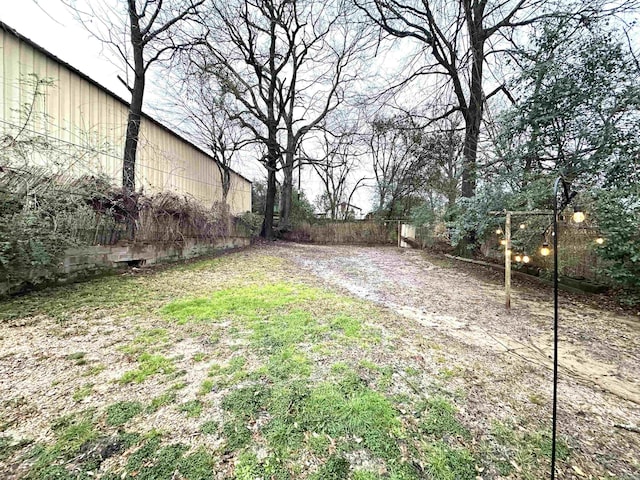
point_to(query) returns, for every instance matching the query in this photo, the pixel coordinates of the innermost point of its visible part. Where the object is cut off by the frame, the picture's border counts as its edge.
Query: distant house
(78, 127)
(347, 210)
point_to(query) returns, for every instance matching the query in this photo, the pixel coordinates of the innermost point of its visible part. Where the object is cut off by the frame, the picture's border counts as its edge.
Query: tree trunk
(286, 196)
(132, 135)
(473, 113)
(270, 201)
(133, 122)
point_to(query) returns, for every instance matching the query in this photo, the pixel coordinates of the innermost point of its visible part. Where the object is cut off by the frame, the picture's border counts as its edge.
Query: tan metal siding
(89, 125)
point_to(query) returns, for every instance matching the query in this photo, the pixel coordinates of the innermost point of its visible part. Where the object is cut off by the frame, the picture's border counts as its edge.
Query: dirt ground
(443, 323)
(463, 308)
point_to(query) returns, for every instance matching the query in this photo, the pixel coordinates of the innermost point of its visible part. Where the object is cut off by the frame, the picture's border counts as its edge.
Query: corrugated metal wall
(65, 123)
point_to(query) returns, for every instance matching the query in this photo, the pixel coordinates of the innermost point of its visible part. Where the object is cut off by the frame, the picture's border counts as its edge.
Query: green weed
(121, 412)
(147, 341)
(447, 463)
(166, 398)
(210, 427)
(438, 418)
(237, 434)
(148, 365)
(335, 468)
(193, 408)
(83, 392)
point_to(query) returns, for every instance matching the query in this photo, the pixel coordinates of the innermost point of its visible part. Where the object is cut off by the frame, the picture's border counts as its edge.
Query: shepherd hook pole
(559, 180)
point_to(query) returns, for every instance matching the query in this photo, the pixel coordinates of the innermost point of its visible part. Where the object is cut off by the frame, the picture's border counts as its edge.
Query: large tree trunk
(286, 199)
(270, 202)
(286, 194)
(132, 135)
(272, 167)
(133, 123)
(474, 111)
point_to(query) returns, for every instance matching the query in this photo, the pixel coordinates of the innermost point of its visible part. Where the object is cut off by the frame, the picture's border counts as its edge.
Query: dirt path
(599, 390)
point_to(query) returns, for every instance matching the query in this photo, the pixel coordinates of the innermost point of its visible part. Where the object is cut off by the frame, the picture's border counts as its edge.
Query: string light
(499, 231)
(503, 242)
(599, 240)
(578, 214)
(526, 259)
(522, 226)
(545, 250)
(518, 258)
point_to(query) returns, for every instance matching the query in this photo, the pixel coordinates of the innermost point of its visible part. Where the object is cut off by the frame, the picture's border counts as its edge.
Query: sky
(50, 24)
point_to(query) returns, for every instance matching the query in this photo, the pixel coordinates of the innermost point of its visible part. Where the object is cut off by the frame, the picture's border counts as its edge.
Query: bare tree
(208, 120)
(398, 166)
(461, 36)
(141, 32)
(336, 169)
(284, 62)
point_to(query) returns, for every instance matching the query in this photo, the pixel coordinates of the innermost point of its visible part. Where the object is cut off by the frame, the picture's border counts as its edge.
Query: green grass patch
(83, 392)
(206, 387)
(160, 401)
(121, 412)
(247, 302)
(113, 292)
(193, 408)
(210, 427)
(529, 450)
(447, 463)
(147, 341)
(438, 418)
(199, 357)
(72, 433)
(349, 326)
(148, 365)
(287, 363)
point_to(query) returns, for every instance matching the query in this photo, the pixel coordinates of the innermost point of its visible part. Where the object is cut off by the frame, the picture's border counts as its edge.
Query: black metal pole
(555, 326)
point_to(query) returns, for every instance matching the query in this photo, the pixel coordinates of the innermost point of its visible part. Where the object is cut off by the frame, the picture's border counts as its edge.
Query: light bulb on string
(525, 258)
(578, 214)
(518, 258)
(545, 250)
(522, 226)
(599, 240)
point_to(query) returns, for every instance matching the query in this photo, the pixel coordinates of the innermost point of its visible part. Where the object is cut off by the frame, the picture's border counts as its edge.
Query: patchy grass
(113, 293)
(526, 453)
(160, 401)
(83, 392)
(248, 302)
(148, 365)
(285, 380)
(193, 408)
(147, 341)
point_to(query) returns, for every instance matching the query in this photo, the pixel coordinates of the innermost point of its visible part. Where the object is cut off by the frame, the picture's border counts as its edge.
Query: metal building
(62, 120)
